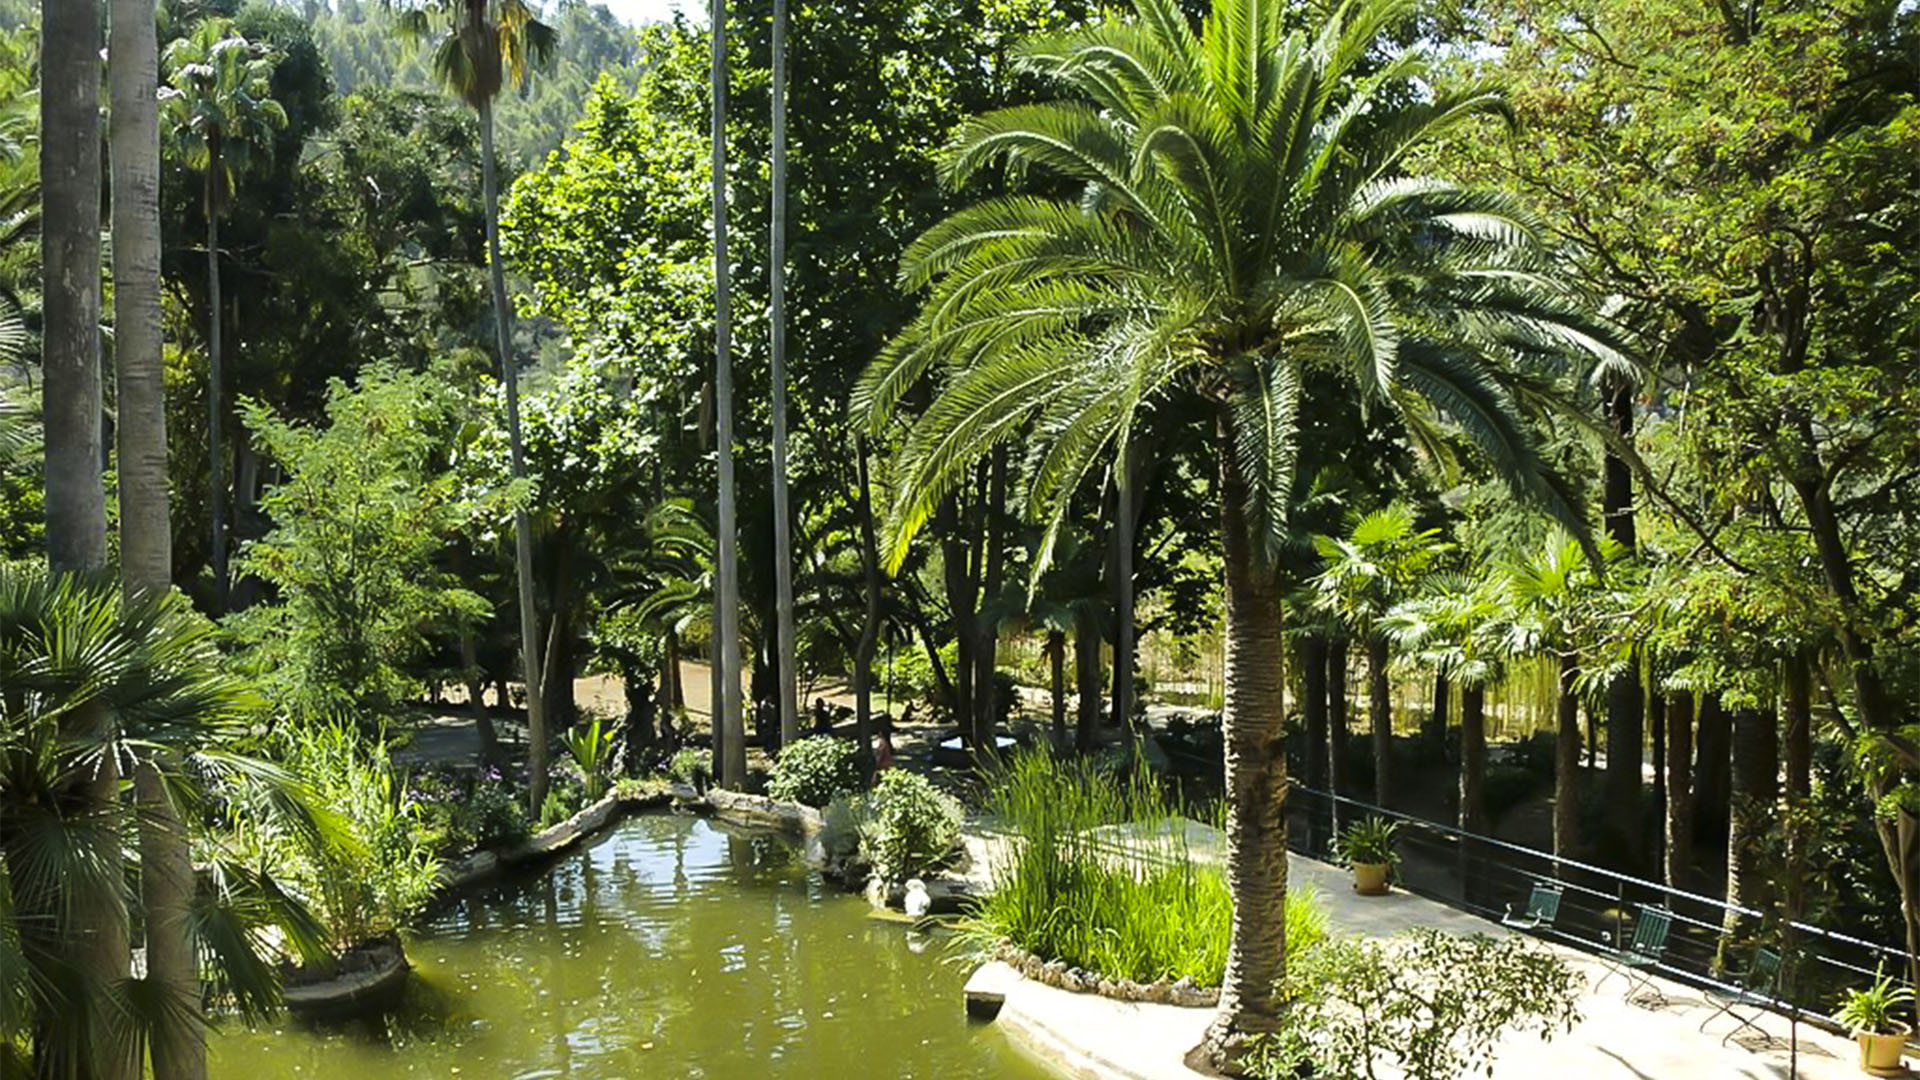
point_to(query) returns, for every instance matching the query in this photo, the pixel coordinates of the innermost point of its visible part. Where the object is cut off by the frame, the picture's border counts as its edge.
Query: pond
(672, 947)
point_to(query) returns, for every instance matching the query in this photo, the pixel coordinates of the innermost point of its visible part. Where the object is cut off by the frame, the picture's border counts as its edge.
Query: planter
(1880, 1055)
(367, 979)
(1370, 879)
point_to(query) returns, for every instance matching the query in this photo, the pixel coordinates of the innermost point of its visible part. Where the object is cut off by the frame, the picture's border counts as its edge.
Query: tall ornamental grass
(1099, 871)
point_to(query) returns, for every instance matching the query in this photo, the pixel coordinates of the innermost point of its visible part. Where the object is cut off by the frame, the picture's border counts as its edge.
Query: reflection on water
(672, 948)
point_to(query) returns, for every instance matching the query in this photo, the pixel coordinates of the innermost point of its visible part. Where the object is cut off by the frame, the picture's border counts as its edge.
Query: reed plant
(1106, 873)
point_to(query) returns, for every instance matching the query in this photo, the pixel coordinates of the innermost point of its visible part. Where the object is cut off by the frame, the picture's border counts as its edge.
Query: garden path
(1093, 1037)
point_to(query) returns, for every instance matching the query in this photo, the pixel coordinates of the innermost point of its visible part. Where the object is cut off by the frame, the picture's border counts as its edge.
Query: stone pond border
(1062, 976)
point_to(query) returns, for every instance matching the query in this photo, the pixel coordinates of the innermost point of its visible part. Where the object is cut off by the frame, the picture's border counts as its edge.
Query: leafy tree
(1242, 214)
(219, 107)
(368, 505)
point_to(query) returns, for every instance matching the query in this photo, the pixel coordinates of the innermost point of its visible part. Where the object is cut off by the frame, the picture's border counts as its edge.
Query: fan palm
(480, 47)
(1244, 216)
(1364, 574)
(218, 106)
(88, 680)
(1550, 593)
(1459, 627)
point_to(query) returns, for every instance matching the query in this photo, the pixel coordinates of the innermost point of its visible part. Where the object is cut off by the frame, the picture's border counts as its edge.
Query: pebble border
(1062, 976)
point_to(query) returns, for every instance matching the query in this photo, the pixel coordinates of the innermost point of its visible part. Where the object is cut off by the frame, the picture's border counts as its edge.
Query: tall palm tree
(782, 516)
(218, 104)
(146, 529)
(1376, 565)
(93, 942)
(1244, 215)
(480, 48)
(729, 724)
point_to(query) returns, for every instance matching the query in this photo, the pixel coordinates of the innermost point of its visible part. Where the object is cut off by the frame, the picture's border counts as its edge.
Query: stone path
(1083, 1035)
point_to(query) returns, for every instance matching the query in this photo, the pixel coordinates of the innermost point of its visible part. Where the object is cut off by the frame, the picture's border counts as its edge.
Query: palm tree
(1375, 566)
(1458, 626)
(218, 104)
(729, 725)
(87, 676)
(782, 516)
(1549, 594)
(1244, 215)
(482, 47)
(146, 530)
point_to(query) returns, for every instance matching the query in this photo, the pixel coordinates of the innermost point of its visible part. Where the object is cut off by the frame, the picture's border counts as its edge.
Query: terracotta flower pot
(1880, 1055)
(1370, 879)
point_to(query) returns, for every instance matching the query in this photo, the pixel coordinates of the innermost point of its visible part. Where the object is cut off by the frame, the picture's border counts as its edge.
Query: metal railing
(1487, 876)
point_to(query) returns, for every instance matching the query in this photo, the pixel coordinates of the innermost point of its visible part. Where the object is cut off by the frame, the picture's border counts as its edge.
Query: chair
(1640, 957)
(1758, 989)
(1543, 907)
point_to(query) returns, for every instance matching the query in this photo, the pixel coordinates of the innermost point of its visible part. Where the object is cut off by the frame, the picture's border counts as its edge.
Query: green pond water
(673, 947)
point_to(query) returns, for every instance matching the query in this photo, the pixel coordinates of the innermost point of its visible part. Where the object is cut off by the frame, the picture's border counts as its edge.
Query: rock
(1158, 993)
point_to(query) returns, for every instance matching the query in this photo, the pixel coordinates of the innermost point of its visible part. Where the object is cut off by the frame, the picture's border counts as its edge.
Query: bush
(911, 827)
(1433, 1004)
(462, 811)
(815, 770)
(692, 766)
(565, 797)
(1139, 906)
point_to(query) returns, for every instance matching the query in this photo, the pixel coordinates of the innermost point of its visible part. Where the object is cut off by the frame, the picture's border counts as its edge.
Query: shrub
(1369, 840)
(1138, 905)
(911, 827)
(692, 766)
(462, 811)
(1431, 1003)
(816, 769)
(564, 799)
(375, 867)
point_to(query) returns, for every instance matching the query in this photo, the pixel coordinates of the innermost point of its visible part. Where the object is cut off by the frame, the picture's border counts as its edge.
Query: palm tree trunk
(1626, 708)
(986, 691)
(1123, 659)
(1473, 758)
(1679, 765)
(1311, 651)
(1434, 729)
(1566, 761)
(733, 763)
(1256, 781)
(1712, 771)
(146, 531)
(1339, 714)
(216, 390)
(1380, 715)
(782, 515)
(146, 534)
(1057, 665)
(1756, 789)
(870, 623)
(76, 505)
(522, 524)
(1796, 695)
(1086, 679)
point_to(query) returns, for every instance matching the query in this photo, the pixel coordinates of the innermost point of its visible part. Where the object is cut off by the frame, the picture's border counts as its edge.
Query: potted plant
(1869, 1015)
(1367, 846)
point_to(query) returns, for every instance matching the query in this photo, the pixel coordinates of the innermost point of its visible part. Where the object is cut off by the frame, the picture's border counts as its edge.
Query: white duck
(917, 902)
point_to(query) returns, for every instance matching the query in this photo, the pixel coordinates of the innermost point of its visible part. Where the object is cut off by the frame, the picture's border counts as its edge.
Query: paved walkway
(1088, 1036)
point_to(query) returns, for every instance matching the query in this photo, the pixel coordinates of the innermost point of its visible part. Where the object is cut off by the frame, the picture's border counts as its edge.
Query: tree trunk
(957, 574)
(1679, 788)
(1473, 758)
(216, 390)
(1311, 651)
(1086, 680)
(517, 459)
(1797, 703)
(1713, 744)
(1435, 728)
(140, 428)
(1057, 664)
(1655, 833)
(166, 893)
(1380, 715)
(1626, 710)
(782, 513)
(1124, 523)
(75, 497)
(1339, 714)
(732, 725)
(986, 705)
(1756, 790)
(870, 589)
(1566, 761)
(1256, 781)
(477, 696)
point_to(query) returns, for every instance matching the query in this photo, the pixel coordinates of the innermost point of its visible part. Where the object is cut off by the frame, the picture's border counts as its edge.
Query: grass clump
(1100, 873)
